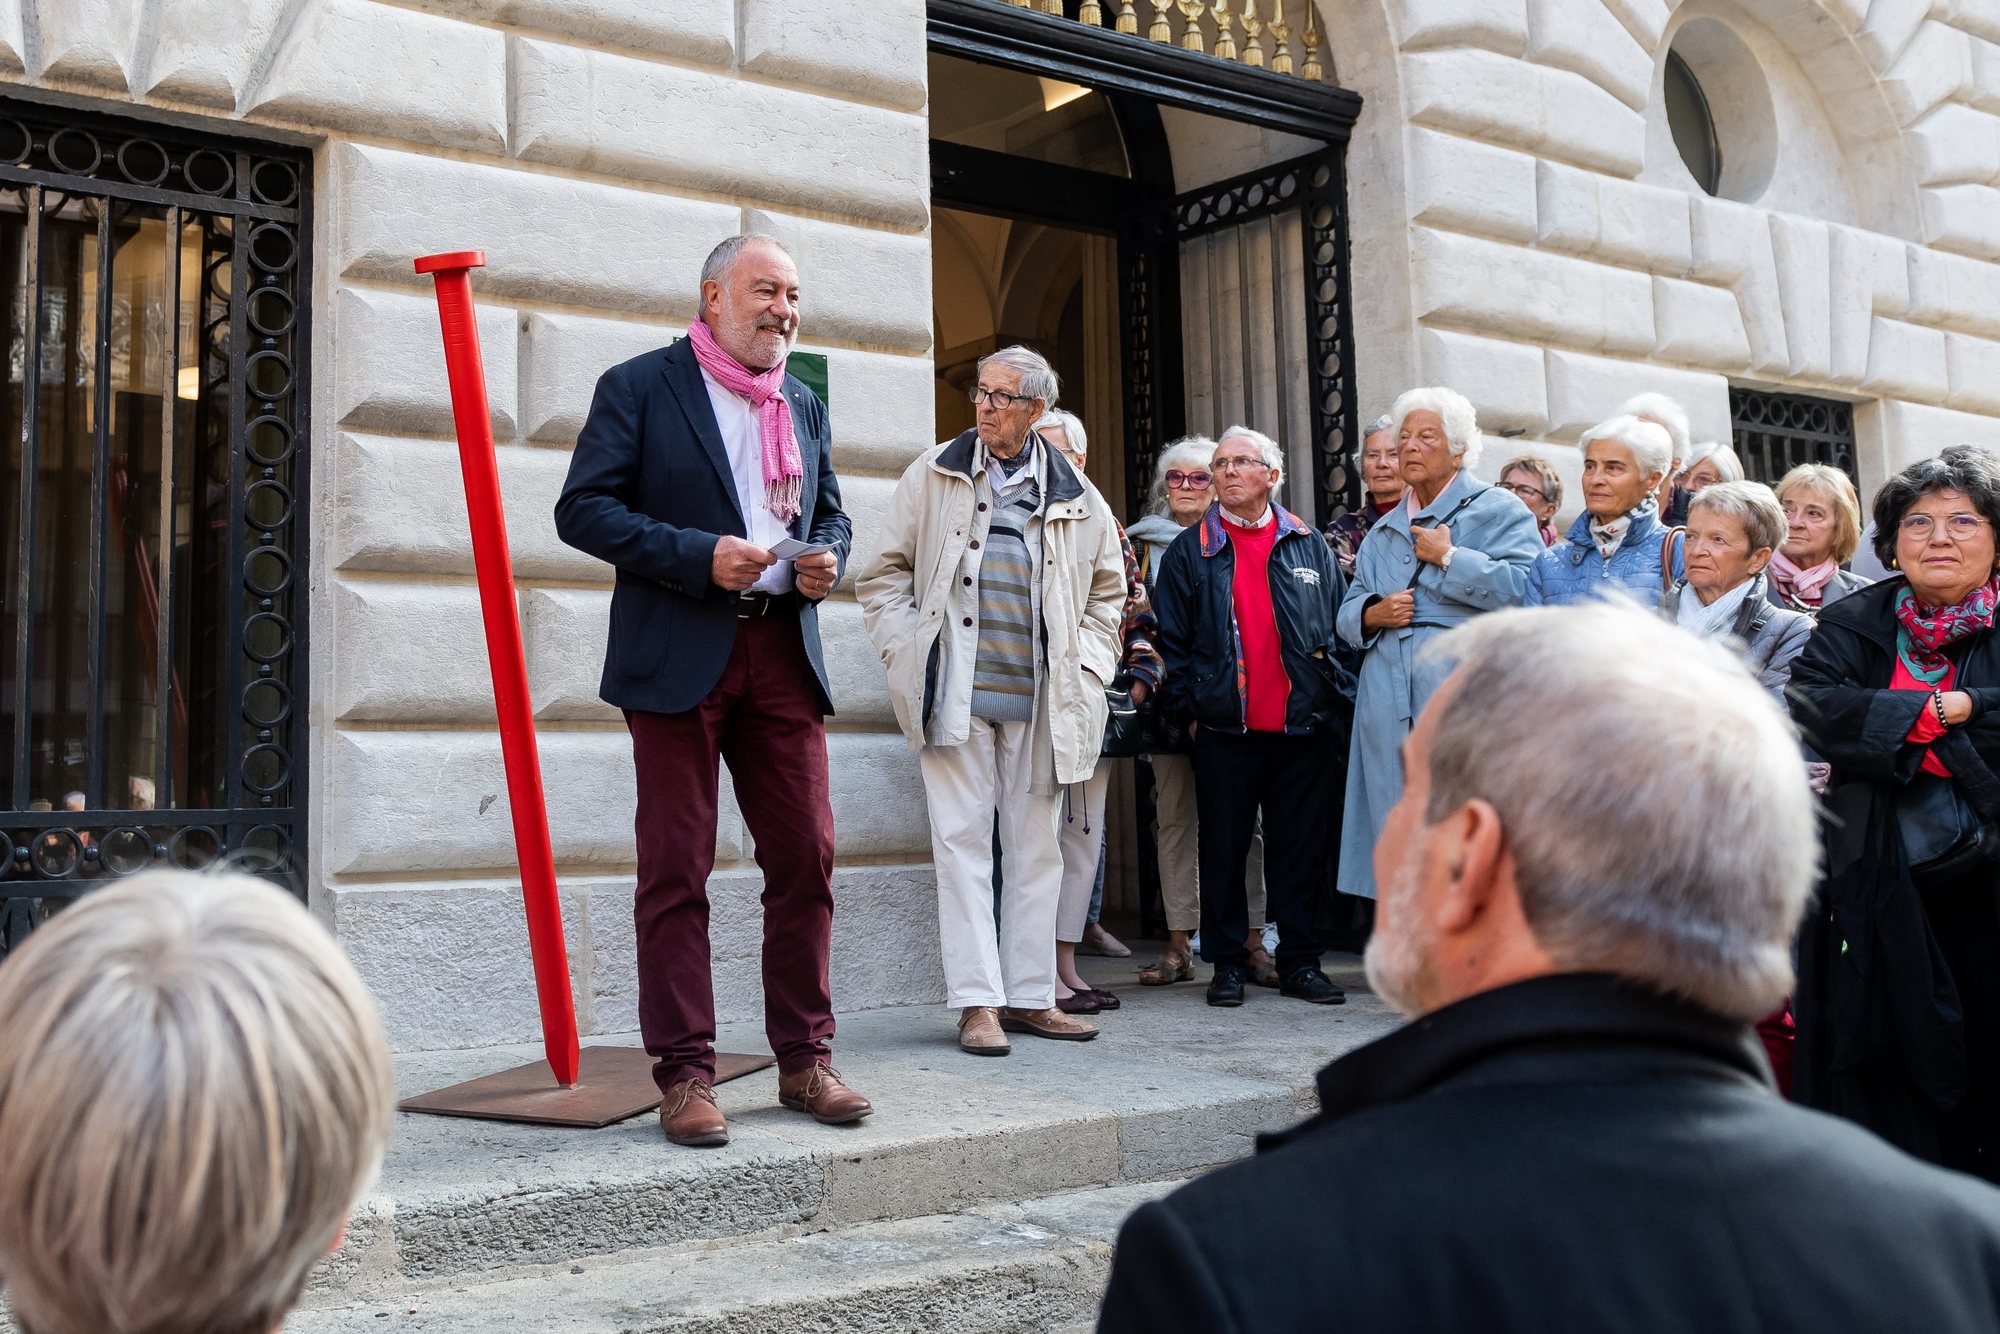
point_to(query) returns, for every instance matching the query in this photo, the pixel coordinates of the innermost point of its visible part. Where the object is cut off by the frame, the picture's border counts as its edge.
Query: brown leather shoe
(820, 1092)
(691, 1118)
(1049, 1023)
(979, 1032)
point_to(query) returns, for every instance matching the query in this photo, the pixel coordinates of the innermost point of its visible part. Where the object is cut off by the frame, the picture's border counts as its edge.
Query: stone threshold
(1170, 1088)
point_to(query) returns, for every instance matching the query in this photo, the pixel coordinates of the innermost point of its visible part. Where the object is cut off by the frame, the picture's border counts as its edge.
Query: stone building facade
(1523, 226)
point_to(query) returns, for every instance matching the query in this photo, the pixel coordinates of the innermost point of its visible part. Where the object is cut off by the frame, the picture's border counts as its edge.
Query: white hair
(1728, 467)
(1685, 869)
(1038, 378)
(1651, 449)
(1664, 412)
(1461, 423)
(1072, 428)
(195, 1089)
(1189, 449)
(719, 259)
(1751, 504)
(1267, 448)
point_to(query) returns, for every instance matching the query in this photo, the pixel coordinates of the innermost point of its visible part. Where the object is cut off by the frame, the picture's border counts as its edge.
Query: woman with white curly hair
(1454, 548)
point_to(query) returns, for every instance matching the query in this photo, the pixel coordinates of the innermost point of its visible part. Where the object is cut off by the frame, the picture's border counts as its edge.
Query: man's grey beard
(1396, 963)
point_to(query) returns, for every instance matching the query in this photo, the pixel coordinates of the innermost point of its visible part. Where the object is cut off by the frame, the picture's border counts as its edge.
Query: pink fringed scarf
(1806, 584)
(764, 390)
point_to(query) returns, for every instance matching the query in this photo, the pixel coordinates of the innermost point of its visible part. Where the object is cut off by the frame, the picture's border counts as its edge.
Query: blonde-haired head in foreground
(194, 1090)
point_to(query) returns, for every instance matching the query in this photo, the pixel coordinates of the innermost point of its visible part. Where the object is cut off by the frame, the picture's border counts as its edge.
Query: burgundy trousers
(763, 718)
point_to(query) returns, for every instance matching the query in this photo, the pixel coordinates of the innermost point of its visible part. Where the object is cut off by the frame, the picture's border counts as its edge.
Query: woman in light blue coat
(1454, 548)
(1618, 543)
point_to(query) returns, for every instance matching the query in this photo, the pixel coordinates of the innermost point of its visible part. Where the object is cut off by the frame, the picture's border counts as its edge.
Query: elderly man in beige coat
(995, 602)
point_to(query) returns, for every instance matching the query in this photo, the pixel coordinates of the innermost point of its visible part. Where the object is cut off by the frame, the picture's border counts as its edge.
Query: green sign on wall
(811, 368)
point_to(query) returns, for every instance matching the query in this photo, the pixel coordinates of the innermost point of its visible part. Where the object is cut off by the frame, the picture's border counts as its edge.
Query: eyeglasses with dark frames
(1191, 481)
(1000, 398)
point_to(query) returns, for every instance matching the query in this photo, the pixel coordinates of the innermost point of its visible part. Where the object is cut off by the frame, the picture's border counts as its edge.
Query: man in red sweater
(1246, 601)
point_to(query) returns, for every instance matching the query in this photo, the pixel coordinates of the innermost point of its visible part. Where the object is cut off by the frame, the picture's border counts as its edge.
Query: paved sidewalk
(1171, 1088)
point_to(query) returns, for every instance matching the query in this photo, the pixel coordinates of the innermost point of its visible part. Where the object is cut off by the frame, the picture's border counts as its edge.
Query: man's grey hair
(1665, 412)
(719, 259)
(1267, 448)
(1679, 857)
(1071, 426)
(1651, 450)
(1038, 378)
(1751, 504)
(1190, 451)
(1728, 467)
(1461, 423)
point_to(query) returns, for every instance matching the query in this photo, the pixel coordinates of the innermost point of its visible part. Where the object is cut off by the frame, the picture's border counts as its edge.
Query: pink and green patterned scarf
(1923, 632)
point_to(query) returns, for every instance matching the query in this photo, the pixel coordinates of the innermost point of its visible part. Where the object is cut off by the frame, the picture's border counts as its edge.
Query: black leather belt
(749, 606)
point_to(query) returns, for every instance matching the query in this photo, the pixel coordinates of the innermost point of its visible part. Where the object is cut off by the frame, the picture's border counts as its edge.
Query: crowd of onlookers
(1720, 777)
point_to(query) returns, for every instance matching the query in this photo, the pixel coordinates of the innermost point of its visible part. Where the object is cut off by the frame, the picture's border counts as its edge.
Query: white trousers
(1175, 836)
(1080, 828)
(966, 786)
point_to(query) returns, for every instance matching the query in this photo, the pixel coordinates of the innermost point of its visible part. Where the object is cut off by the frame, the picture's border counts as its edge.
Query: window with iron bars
(153, 321)
(1775, 433)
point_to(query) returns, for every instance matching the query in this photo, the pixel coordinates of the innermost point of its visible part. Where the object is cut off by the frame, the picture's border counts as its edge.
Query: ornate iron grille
(1155, 409)
(153, 289)
(1777, 432)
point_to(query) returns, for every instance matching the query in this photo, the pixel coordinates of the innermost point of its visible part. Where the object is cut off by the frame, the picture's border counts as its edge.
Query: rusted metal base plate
(613, 1083)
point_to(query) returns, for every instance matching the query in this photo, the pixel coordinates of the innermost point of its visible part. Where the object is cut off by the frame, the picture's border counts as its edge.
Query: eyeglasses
(1957, 527)
(1244, 464)
(1524, 491)
(1000, 398)
(1188, 481)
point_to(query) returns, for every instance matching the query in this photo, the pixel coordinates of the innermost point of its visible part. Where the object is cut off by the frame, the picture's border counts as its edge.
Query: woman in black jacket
(1899, 689)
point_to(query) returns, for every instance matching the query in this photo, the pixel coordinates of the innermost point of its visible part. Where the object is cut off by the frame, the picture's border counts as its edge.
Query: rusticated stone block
(711, 132)
(873, 50)
(377, 69)
(390, 373)
(547, 239)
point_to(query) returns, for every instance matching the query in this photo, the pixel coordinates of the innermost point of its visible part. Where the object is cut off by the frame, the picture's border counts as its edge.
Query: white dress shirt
(744, 443)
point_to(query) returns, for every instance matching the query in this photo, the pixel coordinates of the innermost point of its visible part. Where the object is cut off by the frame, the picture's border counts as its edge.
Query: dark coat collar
(1563, 1010)
(1215, 533)
(683, 376)
(1869, 612)
(960, 454)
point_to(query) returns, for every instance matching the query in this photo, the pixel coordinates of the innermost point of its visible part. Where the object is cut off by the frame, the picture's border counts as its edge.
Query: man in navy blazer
(696, 460)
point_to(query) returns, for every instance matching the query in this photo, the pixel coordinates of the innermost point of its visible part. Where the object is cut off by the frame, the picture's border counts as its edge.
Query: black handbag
(1943, 833)
(1125, 727)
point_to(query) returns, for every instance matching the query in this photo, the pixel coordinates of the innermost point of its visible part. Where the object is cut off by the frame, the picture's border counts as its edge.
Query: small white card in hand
(791, 549)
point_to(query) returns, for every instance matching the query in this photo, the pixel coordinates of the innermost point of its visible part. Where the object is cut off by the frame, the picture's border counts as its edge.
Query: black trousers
(1295, 782)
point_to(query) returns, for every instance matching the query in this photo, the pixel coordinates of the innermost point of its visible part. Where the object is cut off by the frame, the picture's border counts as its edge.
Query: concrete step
(1035, 1267)
(1170, 1088)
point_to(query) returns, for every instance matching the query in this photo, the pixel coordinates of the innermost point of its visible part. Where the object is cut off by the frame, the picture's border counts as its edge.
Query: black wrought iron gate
(1285, 323)
(153, 315)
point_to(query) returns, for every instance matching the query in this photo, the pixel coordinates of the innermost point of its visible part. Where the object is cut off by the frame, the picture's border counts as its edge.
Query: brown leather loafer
(820, 1091)
(691, 1118)
(1049, 1023)
(979, 1032)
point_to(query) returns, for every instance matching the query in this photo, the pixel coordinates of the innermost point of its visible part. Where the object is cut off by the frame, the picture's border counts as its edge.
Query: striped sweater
(1004, 666)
